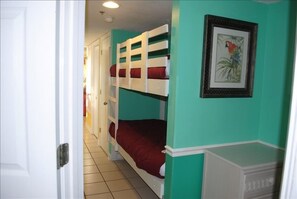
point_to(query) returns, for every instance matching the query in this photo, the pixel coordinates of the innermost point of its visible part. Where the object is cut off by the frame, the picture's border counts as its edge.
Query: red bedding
(113, 71)
(153, 72)
(144, 141)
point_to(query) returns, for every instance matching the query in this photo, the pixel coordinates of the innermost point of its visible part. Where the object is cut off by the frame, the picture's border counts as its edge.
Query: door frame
(289, 181)
(69, 86)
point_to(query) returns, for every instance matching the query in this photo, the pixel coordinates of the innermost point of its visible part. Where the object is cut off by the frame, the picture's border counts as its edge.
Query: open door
(40, 106)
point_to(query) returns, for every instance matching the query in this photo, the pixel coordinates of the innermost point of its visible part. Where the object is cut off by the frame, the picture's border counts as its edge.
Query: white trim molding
(70, 51)
(178, 152)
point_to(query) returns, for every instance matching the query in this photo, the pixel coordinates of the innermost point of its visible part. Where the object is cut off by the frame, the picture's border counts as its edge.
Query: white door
(28, 105)
(104, 75)
(95, 76)
(41, 94)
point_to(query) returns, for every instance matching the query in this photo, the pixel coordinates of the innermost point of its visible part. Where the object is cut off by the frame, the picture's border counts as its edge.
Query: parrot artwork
(233, 52)
(229, 67)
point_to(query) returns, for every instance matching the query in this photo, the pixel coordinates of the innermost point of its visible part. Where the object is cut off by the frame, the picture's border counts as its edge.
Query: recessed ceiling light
(110, 4)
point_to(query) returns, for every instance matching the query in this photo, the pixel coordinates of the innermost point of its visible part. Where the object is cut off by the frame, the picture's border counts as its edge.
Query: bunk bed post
(144, 58)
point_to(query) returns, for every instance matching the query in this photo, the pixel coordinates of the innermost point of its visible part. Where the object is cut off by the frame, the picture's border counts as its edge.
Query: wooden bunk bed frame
(139, 47)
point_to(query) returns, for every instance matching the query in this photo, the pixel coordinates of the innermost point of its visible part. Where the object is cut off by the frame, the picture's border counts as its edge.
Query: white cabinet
(242, 171)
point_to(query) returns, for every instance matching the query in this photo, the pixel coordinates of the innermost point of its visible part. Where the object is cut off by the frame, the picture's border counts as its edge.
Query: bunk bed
(143, 64)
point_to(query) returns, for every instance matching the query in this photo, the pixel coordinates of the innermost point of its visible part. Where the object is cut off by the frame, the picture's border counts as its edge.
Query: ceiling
(132, 15)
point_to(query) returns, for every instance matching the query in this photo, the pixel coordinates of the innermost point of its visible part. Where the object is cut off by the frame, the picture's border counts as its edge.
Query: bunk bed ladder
(113, 107)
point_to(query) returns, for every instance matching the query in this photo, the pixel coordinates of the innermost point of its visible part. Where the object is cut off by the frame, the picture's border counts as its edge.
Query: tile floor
(106, 179)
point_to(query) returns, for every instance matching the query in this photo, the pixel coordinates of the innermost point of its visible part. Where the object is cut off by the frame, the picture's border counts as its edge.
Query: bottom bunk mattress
(144, 141)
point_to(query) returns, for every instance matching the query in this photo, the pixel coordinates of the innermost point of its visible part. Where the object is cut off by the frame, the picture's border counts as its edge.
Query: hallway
(106, 179)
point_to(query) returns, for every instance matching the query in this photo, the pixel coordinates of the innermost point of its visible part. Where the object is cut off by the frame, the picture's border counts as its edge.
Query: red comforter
(152, 72)
(144, 141)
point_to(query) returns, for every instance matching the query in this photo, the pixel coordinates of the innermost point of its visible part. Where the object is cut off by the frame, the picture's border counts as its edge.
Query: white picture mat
(218, 51)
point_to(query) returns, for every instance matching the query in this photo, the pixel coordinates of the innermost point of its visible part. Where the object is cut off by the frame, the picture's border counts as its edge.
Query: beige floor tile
(112, 175)
(108, 167)
(86, 151)
(89, 162)
(100, 196)
(99, 155)
(127, 194)
(90, 169)
(146, 193)
(95, 149)
(118, 185)
(89, 137)
(87, 156)
(137, 182)
(96, 188)
(91, 142)
(103, 160)
(93, 177)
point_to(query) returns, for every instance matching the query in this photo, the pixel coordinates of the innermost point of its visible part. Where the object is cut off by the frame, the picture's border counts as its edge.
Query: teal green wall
(203, 121)
(133, 105)
(277, 74)
(180, 185)
(195, 121)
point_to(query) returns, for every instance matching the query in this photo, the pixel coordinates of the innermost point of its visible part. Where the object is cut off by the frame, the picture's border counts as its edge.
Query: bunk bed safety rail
(158, 31)
(140, 57)
(123, 63)
(139, 84)
(158, 46)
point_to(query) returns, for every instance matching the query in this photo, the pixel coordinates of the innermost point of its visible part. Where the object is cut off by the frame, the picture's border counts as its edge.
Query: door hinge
(99, 130)
(62, 155)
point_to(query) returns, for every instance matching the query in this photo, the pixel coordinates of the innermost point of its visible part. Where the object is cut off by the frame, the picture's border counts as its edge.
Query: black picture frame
(229, 53)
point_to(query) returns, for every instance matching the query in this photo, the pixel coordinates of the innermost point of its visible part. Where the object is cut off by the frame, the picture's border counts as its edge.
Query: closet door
(28, 109)
(104, 85)
(95, 91)
(94, 95)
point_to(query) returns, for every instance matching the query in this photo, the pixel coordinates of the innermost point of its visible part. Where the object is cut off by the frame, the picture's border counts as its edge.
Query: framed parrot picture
(229, 52)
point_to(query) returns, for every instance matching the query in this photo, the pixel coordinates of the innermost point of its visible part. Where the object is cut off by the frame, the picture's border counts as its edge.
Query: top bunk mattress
(160, 72)
(144, 141)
